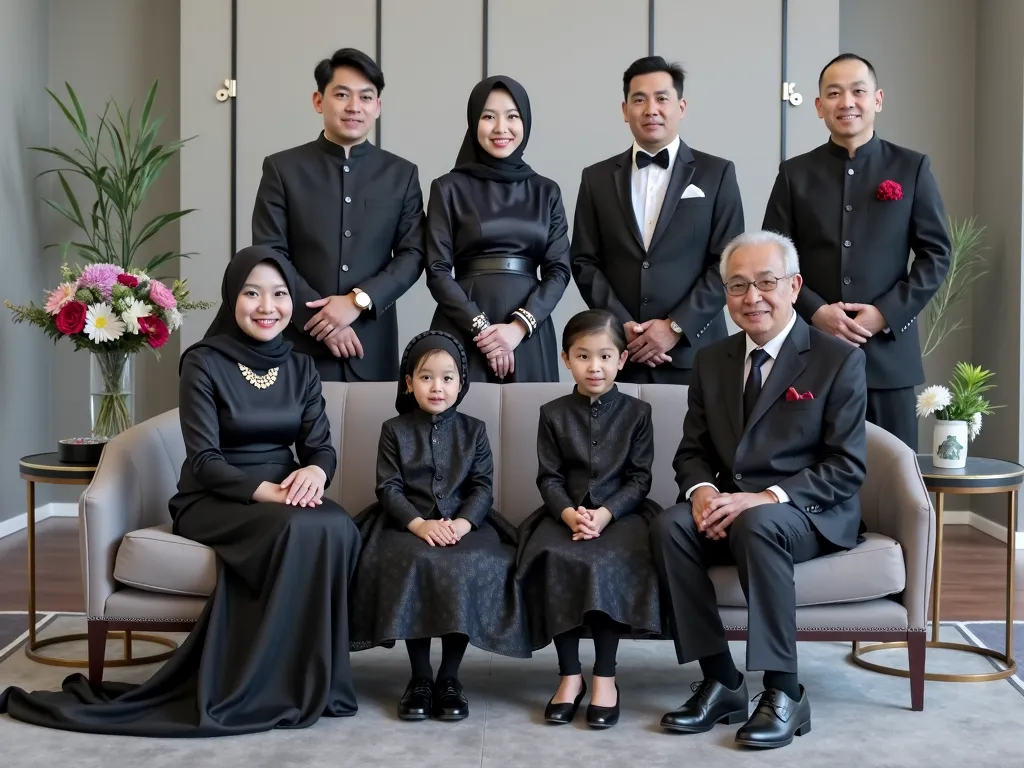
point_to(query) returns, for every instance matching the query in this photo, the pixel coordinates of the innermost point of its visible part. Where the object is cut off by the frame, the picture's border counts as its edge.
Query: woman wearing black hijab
(271, 649)
(495, 221)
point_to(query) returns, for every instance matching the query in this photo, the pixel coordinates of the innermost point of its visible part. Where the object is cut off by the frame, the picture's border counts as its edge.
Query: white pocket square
(692, 191)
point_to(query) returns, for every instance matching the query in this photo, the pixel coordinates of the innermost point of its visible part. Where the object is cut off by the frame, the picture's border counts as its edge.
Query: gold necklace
(260, 382)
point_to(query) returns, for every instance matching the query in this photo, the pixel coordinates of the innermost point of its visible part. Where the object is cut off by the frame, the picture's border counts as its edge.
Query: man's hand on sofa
(726, 507)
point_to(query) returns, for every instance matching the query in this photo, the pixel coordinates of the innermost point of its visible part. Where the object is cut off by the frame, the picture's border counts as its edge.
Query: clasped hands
(833, 319)
(302, 488)
(332, 325)
(440, 533)
(498, 343)
(714, 512)
(586, 523)
(648, 342)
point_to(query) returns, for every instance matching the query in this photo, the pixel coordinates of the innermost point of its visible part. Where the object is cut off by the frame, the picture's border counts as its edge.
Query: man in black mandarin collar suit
(350, 217)
(650, 226)
(768, 476)
(856, 207)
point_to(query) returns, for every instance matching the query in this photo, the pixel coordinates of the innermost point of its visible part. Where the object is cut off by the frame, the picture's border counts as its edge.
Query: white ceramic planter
(949, 444)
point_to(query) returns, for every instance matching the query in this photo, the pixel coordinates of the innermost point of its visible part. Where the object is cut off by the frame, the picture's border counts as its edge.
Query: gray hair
(762, 237)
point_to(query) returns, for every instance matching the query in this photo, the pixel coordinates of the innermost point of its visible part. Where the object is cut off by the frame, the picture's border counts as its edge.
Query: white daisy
(974, 426)
(101, 324)
(932, 399)
(173, 319)
(132, 312)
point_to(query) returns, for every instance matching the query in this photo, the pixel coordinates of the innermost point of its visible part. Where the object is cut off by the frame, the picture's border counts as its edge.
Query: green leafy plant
(965, 267)
(963, 400)
(121, 159)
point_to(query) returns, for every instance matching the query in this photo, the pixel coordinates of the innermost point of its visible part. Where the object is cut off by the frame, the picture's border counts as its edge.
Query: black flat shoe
(604, 717)
(450, 703)
(564, 712)
(776, 720)
(710, 704)
(417, 701)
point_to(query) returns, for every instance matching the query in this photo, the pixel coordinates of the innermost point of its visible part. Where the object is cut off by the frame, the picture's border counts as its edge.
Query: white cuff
(781, 494)
(694, 488)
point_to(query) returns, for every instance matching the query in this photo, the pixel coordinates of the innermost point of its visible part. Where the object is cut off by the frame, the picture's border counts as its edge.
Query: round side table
(980, 476)
(46, 468)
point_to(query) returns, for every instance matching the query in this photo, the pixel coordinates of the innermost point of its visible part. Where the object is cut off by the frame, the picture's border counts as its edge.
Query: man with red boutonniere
(856, 207)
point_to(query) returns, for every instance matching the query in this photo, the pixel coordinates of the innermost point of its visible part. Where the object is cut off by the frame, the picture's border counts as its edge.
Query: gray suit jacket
(814, 449)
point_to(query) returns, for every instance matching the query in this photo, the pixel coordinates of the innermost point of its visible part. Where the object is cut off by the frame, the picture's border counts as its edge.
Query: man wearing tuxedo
(650, 226)
(772, 457)
(856, 207)
(350, 217)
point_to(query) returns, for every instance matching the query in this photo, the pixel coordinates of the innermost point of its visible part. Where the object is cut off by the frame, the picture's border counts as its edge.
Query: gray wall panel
(814, 40)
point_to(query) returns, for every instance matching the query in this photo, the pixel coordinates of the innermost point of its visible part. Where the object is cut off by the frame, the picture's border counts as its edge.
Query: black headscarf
(224, 335)
(414, 352)
(476, 161)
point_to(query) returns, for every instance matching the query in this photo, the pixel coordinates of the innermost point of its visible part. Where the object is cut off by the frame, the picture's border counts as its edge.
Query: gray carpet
(860, 719)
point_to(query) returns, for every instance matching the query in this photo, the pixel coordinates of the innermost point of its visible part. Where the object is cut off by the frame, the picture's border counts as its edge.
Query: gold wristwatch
(362, 299)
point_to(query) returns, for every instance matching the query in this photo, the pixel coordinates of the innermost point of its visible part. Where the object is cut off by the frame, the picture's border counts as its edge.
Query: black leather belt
(487, 265)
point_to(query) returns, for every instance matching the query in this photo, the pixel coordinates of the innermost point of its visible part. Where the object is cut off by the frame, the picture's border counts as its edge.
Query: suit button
(440, 495)
(593, 474)
(348, 233)
(646, 300)
(349, 200)
(849, 207)
(849, 171)
(647, 265)
(847, 243)
(344, 267)
(437, 477)
(345, 168)
(593, 442)
(739, 476)
(847, 281)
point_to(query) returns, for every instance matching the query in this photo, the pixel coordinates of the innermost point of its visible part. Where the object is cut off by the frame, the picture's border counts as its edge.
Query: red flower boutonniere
(889, 190)
(792, 394)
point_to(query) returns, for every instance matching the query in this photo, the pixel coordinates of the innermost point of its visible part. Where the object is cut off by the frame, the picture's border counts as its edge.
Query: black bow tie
(643, 159)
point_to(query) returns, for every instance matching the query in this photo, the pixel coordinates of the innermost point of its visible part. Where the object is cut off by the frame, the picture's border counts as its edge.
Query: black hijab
(476, 161)
(225, 336)
(426, 342)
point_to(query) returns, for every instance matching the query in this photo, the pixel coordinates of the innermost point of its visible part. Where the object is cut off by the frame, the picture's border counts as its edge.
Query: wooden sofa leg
(916, 658)
(97, 650)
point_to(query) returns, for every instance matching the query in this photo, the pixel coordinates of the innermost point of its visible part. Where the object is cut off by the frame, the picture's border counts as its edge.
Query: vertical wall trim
(380, 35)
(650, 27)
(233, 153)
(483, 40)
(784, 65)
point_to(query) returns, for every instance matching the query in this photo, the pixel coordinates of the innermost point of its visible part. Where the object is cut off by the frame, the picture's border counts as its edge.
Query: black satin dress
(436, 467)
(593, 455)
(271, 649)
(468, 218)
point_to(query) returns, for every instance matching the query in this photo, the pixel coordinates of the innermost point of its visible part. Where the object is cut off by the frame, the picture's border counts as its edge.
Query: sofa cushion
(156, 560)
(873, 569)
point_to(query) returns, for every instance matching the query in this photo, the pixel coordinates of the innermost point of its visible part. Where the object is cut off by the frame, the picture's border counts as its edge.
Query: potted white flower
(958, 410)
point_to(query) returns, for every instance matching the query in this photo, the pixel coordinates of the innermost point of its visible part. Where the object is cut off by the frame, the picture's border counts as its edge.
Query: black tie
(643, 159)
(753, 386)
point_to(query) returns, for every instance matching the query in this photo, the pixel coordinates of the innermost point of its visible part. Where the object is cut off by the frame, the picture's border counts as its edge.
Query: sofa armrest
(895, 503)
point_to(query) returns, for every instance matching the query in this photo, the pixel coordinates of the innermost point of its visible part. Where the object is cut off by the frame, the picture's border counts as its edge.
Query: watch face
(362, 300)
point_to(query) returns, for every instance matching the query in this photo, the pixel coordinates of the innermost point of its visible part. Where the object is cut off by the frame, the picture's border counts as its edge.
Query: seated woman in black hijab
(495, 221)
(271, 649)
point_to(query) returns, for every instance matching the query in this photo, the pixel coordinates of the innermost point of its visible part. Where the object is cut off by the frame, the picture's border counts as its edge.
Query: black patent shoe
(776, 720)
(710, 704)
(565, 711)
(450, 703)
(604, 717)
(417, 701)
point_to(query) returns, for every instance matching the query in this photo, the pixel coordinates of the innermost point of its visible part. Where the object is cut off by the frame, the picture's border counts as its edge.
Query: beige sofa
(138, 576)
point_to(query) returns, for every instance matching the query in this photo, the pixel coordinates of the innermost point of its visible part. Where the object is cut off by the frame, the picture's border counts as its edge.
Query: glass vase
(111, 393)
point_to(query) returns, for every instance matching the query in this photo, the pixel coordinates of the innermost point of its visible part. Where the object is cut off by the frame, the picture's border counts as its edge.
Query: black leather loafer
(450, 703)
(776, 720)
(604, 717)
(417, 701)
(564, 711)
(710, 704)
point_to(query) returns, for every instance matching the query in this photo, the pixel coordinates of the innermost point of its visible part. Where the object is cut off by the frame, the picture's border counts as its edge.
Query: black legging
(606, 643)
(453, 647)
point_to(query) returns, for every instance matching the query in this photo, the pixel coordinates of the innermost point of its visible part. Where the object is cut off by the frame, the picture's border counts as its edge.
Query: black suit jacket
(854, 247)
(345, 222)
(814, 449)
(677, 276)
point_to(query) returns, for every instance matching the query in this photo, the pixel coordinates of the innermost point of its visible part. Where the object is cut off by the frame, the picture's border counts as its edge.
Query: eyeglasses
(739, 287)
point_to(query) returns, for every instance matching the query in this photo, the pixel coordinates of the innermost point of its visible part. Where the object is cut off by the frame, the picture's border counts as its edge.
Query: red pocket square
(792, 394)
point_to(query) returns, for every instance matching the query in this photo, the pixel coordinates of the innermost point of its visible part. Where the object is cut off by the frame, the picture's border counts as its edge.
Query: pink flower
(60, 296)
(161, 295)
(102, 277)
(155, 331)
(889, 190)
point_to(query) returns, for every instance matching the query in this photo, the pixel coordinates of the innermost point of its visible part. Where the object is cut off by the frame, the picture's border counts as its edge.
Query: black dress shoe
(711, 703)
(564, 712)
(776, 720)
(417, 701)
(450, 703)
(604, 717)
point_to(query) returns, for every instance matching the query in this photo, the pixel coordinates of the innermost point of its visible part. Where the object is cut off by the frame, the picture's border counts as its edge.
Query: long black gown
(469, 218)
(271, 649)
(436, 466)
(592, 454)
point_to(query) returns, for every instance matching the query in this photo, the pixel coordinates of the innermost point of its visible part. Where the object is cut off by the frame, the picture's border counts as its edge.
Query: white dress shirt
(648, 190)
(773, 347)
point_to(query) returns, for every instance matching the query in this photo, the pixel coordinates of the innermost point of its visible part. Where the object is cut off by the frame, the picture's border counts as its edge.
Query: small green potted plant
(958, 409)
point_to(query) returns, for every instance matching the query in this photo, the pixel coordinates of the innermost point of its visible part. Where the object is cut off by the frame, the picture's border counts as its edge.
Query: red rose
(130, 280)
(889, 190)
(71, 318)
(155, 330)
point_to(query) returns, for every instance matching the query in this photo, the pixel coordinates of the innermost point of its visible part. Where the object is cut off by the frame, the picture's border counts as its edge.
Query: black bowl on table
(80, 450)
